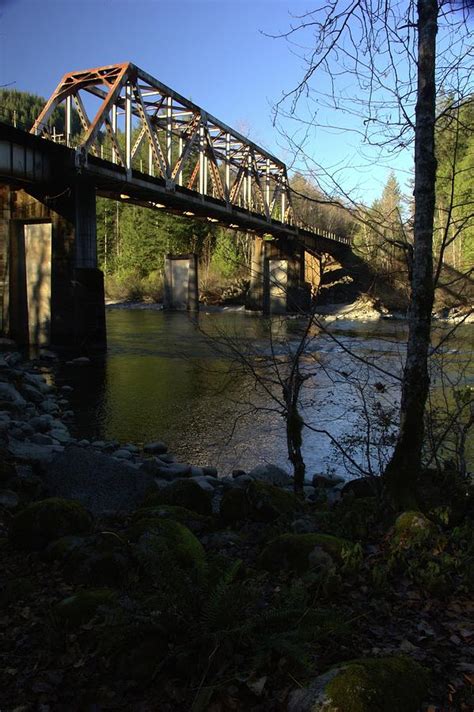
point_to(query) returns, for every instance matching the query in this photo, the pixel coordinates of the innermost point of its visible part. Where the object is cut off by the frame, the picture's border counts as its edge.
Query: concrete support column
(56, 292)
(5, 221)
(181, 283)
(255, 294)
(284, 288)
(85, 220)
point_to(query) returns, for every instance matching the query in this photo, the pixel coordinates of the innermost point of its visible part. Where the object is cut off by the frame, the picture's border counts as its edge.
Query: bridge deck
(27, 160)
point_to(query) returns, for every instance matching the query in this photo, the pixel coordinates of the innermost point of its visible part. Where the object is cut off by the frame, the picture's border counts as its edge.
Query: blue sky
(215, 52)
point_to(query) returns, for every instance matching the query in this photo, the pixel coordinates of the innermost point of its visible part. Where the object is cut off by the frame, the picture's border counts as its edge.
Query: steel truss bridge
(149, 145)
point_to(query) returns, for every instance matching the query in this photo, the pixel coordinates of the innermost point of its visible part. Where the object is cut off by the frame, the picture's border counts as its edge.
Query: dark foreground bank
(131, 582)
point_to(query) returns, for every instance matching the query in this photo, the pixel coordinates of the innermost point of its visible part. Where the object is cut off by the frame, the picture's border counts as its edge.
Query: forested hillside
(385, 234)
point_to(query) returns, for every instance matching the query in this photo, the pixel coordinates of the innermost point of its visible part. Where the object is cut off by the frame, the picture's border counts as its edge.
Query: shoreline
(359, 311)
(35, 433)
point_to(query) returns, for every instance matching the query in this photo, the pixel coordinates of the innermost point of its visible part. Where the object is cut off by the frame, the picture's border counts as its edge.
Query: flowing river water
(164, 378)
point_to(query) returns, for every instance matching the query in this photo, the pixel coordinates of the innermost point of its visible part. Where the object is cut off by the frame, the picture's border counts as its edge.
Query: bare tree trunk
(405, 463)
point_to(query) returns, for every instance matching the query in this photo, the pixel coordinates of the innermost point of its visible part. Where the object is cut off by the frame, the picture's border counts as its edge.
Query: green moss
(268, 502)
(412, 529)
(234, 506)
(299, 552)
(193, 520)
(183, 493)
(49, 519)
(383, 685)
(84, 605)
(161, 541)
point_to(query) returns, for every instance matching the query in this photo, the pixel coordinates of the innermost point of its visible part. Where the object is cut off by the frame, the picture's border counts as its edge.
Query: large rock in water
(99, 482)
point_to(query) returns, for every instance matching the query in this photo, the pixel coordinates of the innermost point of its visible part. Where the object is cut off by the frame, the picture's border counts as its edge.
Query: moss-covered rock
(161, 542)
(102, 560)
(268, 502)
(301, 552)
(411, 530)
(392, 684)
(193, 520)
(234, 506)
(85, 605)
(49, 519)
(182, 493)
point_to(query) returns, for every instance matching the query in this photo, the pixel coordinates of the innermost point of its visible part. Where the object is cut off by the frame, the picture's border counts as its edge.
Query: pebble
(122, 454)
(41, 439)
(131, 448)
(99, 444)
(49, 406)
(61, 436)
(79, 361)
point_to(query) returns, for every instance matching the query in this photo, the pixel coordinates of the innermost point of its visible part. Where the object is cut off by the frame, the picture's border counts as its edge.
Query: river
(164, 378)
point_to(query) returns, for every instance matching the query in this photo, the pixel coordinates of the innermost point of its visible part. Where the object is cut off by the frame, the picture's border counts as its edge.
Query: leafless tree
(397, 68)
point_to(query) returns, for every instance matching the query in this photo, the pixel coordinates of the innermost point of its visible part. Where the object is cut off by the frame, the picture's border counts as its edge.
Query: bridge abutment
(53, 293)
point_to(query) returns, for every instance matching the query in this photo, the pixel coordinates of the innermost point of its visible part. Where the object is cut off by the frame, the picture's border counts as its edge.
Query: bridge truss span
(144, 125)
(132, 120)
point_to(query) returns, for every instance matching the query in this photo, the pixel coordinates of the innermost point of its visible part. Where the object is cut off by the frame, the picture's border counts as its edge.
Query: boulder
(268, 502)
(32, 393)
(9, 394)
(161, 543)
(42, 522)
(100, 482)
(30, 452)
(272, 474)
(183, 493)
(362, 487)
(392, 684)
(155, 448)
(197, 523)
(156, 467)
(259, 501)
(411, 530)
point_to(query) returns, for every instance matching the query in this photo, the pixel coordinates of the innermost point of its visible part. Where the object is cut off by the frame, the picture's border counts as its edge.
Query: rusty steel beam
(183, 140)
(142, 122)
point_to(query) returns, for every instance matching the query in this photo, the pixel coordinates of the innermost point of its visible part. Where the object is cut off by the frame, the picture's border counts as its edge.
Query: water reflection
(162, 379)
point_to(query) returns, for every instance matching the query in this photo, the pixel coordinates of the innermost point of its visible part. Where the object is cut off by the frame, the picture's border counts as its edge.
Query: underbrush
(129, 285)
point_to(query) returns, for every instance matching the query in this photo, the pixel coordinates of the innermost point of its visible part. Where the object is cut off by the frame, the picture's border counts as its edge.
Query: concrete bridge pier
(181, 283)
(277, 283)
(52, 291)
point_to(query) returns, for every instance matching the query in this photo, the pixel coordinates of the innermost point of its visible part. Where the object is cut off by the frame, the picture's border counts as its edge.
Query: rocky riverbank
(133, 582)
(36, 424)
